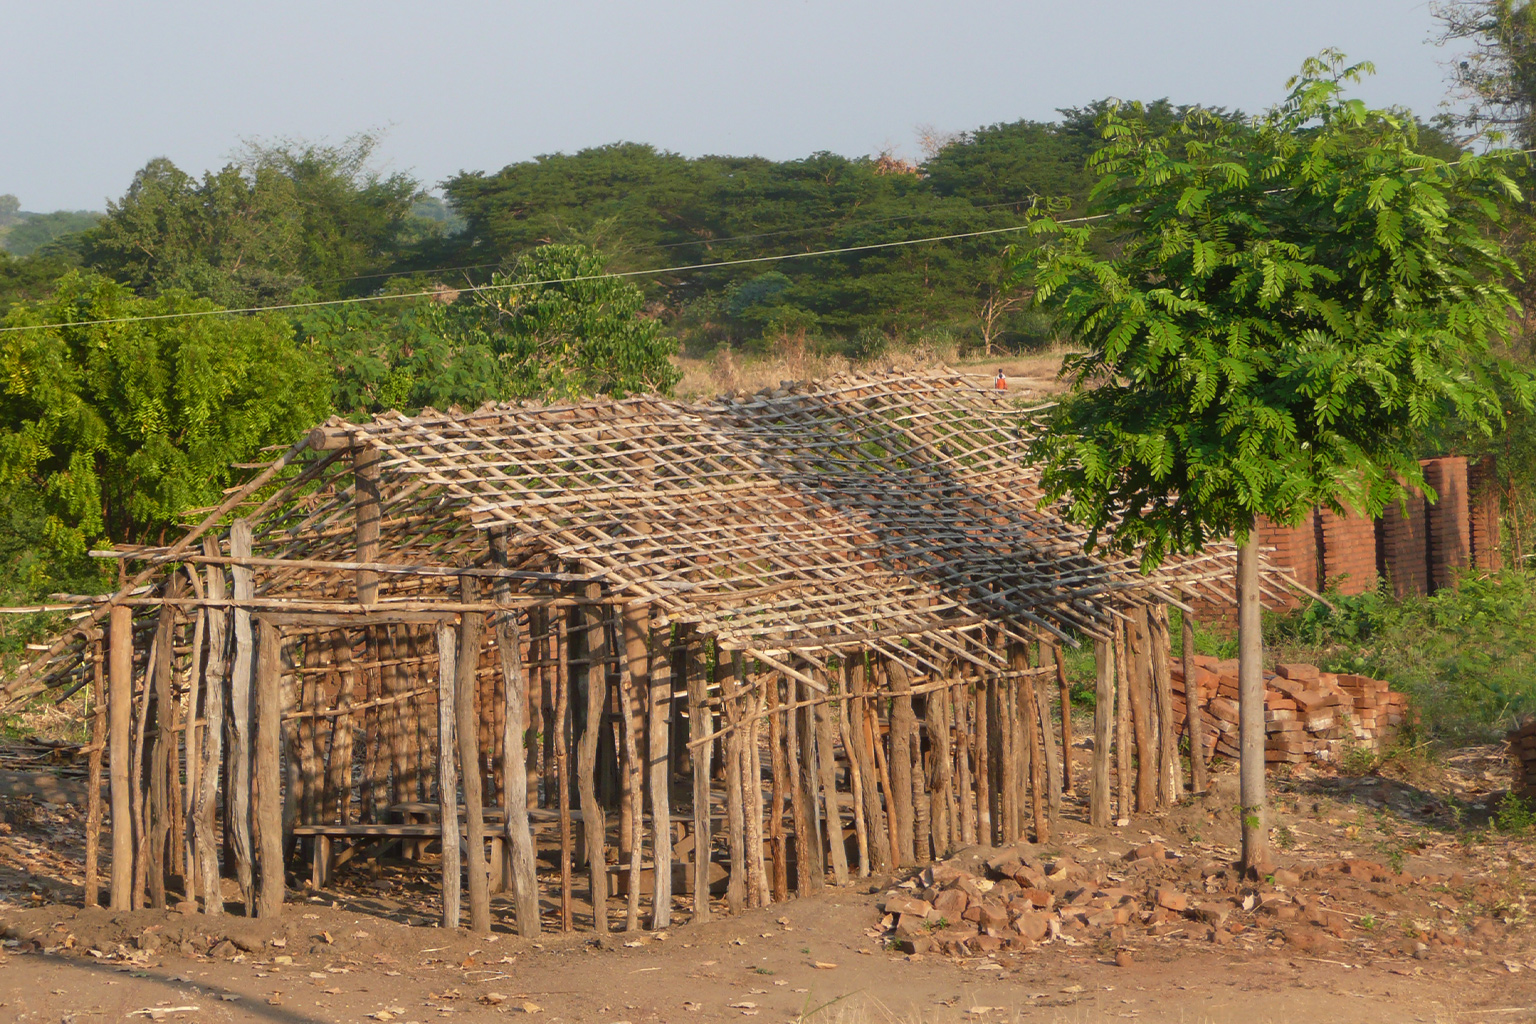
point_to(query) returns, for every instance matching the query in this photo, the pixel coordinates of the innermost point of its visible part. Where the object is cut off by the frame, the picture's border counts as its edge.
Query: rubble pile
(1017, 899)
(1308, 713)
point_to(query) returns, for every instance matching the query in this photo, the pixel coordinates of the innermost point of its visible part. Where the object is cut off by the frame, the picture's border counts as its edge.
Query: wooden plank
(447, 775)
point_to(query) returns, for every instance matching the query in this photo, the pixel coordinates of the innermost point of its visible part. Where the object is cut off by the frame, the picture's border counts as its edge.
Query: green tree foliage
(285, 216)
(113, 430)
(1293, 301)
(550, 326)
(36, 230)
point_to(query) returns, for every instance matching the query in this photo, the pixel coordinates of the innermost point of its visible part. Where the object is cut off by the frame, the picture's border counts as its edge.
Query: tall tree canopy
(1292, 302)
(113, 430)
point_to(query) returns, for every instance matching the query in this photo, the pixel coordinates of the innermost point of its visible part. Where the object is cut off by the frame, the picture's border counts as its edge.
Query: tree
(1293, 301)
(114, 430)
(1496, 79)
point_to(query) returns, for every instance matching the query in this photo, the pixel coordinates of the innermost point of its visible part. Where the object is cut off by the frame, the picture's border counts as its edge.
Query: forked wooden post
(447, 775)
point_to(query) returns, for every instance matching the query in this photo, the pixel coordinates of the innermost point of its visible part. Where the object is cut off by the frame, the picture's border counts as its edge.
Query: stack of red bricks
(1307, 713)
(1522, 751)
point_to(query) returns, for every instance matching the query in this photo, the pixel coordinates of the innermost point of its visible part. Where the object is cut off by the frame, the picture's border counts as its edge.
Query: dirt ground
(1444, 936)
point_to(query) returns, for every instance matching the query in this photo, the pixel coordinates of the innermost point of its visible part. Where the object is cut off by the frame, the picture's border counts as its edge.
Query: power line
(321, 303)
(675, 245)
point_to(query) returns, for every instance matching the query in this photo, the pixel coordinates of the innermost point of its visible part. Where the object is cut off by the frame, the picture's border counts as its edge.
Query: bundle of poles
(602, 756)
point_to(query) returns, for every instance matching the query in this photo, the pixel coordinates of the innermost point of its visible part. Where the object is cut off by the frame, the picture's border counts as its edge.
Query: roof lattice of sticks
(882, 512)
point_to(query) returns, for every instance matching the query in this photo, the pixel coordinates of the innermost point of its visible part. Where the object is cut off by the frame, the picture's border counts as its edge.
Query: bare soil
(1448, 938)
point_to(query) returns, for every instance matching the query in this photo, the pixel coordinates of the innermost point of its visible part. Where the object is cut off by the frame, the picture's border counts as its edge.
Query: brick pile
(1308, 714)
(1522, 751)
(1020, 898)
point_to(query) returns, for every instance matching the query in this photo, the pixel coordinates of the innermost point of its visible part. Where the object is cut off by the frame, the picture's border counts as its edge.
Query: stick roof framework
(891, 513)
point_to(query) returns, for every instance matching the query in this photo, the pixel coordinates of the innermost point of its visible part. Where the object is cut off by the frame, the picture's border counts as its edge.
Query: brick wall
(1405, 546)
(1483, 510)
(1348, 555)
(1295, 548)
(1450, 526)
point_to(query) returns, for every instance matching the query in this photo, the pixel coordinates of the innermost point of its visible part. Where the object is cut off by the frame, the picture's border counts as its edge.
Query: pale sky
(97, 89)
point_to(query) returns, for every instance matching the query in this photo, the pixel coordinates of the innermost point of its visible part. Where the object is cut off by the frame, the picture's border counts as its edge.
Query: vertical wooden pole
(1170, 774)
(961, 703)
(594, 824)
(158, 826)
(1192, 707)
(1067, 781)
(735, 787)
(699, 759)
(832, 814)
(633, 806)
(447, 774)
(93, 776)
(1047, 737)
(1103, 719)
(205, 832)
(340, 783)
(1146, 757)
(119, 708)
(269, 808)
(1125, 677)
(560, 654)
(776, 837)
(981, 716)
(808, 870)
(515, 750)
(757, 875)
(862, 750)
(899, 760)
(660, 685)
(368, 511)
(192, 742)
(851, 747)
(1029, 707)
(466, 728)
(238, 799)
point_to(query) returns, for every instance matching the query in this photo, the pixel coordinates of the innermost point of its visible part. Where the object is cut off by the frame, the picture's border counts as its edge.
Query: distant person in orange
(1001, 384)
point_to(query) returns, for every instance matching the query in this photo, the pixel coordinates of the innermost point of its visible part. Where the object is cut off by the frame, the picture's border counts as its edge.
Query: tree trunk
(1250, 700)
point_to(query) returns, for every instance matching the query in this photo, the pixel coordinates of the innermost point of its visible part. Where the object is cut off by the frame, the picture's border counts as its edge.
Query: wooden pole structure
(594, 673)
(659, 686)
(560, 655)
(238, 799)
(514, 762)
(700, 754)
(269, 738)
(1193, 720)
(447, 775)
(466, 727)
(1139, 642)
(1067, 781)
(368, 511)
(193, 738)
(856, 676)
(1125, 682)
(1103, 719)
(119, 720)
(93, 776)
(735, 788)
(631, 702)
(1018, 657)
(852, 749)
(1170, 775)
(205, 833)
(826, 769)
(963, 780)
(776, 837)
(158, 694)
(1053, 760)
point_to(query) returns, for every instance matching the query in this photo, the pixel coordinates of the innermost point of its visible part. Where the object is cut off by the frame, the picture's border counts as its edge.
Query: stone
(1123, 958)
(1038, 897)
(950, 903)
(1172, 899)
(916, 944)
(984, 943)
(906, 905)
(994, 916)
(1210, 913)
(1286, 877)
(1149, 851)
(908, 925)
(1033, 926)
